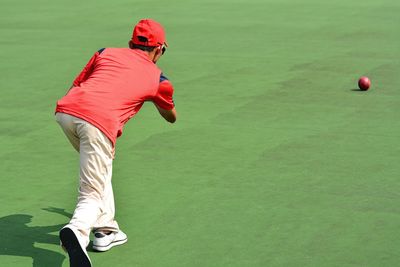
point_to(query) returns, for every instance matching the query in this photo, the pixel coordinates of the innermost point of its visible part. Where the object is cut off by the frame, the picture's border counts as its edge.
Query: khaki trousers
(95, 209)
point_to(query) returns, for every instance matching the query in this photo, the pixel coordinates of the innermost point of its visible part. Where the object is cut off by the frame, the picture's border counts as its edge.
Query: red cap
(151, 30)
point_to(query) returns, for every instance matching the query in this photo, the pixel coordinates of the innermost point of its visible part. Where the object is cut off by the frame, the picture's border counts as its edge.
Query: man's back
(112, 88)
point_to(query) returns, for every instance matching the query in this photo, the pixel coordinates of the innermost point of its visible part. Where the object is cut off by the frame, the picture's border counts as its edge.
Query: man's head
(148, 35)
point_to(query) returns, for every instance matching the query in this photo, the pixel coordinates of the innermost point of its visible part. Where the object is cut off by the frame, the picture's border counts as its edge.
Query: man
(109, 91)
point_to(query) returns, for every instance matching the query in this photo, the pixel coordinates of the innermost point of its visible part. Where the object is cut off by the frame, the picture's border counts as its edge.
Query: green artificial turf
(276, 158)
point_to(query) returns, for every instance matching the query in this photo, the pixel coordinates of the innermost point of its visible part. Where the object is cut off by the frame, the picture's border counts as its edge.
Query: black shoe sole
(77, 257)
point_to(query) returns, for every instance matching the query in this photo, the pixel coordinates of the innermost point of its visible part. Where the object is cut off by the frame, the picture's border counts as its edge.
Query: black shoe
(78, 256)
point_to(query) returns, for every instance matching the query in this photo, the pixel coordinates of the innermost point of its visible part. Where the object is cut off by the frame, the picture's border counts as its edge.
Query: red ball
(364, 83)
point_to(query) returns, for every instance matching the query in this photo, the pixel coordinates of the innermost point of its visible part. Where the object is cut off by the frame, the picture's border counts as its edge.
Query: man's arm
(168, 115)
(87, 70)
(163, 100)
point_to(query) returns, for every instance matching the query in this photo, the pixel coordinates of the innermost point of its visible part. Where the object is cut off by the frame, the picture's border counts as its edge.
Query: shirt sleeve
(87, 70)
(164, 96)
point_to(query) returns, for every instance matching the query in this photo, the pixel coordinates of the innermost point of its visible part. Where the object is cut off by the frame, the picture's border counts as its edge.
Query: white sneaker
(103, 242)
(77, 253)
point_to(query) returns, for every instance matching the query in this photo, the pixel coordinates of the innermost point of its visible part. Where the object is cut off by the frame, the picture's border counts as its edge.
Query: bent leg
(96, 156)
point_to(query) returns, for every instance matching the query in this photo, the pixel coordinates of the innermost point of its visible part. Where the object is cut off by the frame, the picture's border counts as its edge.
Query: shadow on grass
(18, 239)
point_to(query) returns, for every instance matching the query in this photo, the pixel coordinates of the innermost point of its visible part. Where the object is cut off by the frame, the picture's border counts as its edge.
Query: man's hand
(168, 115)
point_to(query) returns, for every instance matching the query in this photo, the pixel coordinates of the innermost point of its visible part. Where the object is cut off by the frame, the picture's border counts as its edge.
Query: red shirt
(112, 88)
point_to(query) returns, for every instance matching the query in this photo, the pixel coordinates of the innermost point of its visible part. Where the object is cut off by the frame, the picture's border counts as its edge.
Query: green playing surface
(276, 159)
